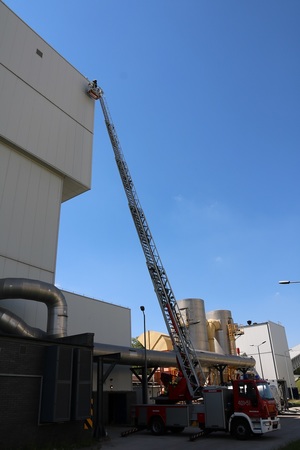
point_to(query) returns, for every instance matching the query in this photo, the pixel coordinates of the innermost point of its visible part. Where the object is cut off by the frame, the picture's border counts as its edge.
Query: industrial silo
(193, 313)
(222, 339)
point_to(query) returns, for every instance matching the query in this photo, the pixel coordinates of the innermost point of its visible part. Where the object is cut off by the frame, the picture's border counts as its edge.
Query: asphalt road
(143, 440)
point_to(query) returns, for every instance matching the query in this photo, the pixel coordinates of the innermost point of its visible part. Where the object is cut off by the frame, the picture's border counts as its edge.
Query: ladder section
(185, 352)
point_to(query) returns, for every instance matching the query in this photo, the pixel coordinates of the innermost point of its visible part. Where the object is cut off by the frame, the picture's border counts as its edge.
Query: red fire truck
(244, 408)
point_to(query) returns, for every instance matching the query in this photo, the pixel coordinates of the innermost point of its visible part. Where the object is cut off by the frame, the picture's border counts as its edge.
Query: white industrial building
(295, 357)
(46, 137)
(268, 345)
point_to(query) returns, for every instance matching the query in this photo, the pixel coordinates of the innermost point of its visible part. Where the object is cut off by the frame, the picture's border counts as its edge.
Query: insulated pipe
(12, 324)
(41, 292)
(57, 327)
(136, 357)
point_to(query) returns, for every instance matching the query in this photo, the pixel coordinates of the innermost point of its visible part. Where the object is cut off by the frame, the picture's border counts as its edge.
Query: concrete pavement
(290, 431)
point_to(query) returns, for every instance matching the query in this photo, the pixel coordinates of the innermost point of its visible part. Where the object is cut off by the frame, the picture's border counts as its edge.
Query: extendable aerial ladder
(186, 355)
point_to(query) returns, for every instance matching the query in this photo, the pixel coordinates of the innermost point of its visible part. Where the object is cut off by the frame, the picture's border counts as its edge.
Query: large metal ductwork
(14, 288)
(221, 337)
(212, 327)
(12, 324)
(136, 357)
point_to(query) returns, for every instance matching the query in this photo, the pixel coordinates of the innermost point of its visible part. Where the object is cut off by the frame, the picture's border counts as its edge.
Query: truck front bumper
(266, 425)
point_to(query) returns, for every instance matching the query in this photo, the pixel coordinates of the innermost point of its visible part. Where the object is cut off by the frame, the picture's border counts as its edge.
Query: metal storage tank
(193, 313)
(221, 335)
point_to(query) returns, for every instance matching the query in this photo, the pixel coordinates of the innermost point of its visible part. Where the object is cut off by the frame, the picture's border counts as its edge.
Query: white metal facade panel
(30, 199)
(21, 270)
(46, 122)
(110, 324)
(248, 342)
(51, 74)
(278, 336)
(46, 131)
(273, 354)
(44, 108)
(281, 353)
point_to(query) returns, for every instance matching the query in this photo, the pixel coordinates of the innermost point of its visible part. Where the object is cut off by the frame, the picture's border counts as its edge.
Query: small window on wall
(38, 52)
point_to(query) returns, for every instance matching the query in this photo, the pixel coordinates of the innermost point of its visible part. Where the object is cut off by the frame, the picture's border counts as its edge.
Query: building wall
(272, 358)
(46, 136)
(44, 107)
(22, 371)
(46, 133)
(109, 323)
(29, 210)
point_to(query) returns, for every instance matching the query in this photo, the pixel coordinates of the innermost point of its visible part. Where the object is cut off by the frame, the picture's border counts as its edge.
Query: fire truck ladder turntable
(188, 361)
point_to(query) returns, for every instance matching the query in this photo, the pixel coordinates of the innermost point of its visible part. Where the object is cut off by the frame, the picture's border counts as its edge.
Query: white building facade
(46, 137)
(46, 131)
(268, 345)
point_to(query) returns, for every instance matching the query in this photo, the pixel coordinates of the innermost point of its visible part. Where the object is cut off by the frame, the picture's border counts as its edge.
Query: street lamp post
(287, 282)
(258, 351)
(145, 376)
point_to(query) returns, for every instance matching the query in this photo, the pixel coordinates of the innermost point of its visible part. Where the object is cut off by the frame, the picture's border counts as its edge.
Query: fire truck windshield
(265, 391)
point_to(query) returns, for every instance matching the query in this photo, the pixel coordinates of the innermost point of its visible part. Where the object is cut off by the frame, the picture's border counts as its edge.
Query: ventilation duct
(57, 327)
(14, 288)
(136, 357)
(12, 324)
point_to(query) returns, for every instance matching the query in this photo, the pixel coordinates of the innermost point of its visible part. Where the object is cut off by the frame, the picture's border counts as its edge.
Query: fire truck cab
(245, 408)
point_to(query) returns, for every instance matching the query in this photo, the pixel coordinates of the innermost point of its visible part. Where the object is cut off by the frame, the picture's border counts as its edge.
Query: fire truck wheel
(241, 429)
(157, 426)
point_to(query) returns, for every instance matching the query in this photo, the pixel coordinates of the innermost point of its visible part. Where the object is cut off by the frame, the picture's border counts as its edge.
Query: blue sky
(204, 95)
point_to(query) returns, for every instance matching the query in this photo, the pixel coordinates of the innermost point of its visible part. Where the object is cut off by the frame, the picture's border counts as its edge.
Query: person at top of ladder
(94, 91)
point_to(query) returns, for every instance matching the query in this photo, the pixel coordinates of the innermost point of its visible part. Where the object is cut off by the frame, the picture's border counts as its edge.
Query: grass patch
(294, 403)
